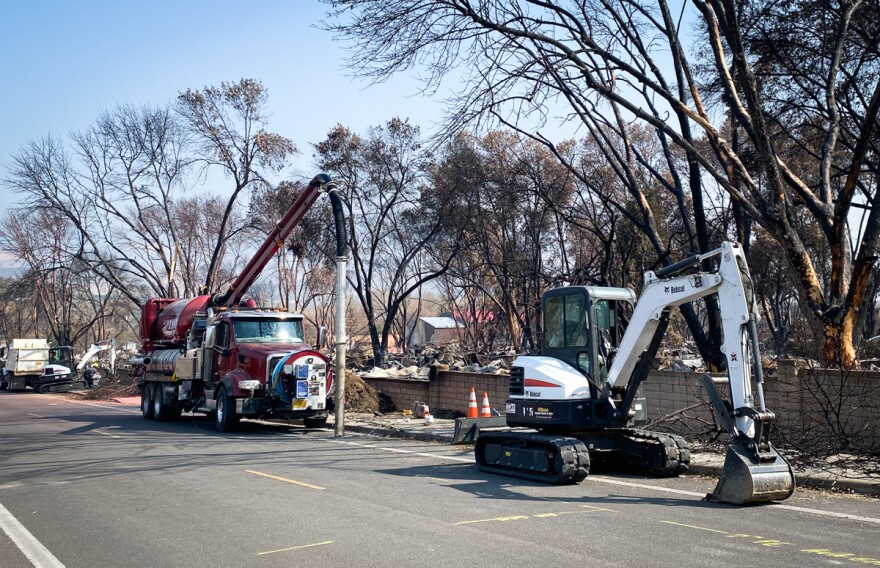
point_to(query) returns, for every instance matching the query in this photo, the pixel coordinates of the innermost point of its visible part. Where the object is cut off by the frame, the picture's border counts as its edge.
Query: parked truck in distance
(25, 361)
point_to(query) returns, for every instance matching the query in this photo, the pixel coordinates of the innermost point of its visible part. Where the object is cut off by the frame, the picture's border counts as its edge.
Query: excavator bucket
(753, 477)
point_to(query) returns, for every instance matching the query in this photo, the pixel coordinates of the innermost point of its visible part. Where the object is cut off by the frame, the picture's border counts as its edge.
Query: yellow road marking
(284, 479)
(495, 520)
(534, 516)
(695, 527)
(759, 540)
(295, 547)
(106, 434)
(592, 508)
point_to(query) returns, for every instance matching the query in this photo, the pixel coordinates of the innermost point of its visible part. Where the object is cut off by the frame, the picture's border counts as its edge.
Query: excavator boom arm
(732, 284)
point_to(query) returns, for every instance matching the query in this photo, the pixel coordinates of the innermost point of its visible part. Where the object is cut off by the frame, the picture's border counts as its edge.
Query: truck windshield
(268, 330)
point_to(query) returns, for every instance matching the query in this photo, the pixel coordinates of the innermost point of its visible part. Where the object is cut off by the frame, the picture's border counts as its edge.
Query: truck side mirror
(322, 337)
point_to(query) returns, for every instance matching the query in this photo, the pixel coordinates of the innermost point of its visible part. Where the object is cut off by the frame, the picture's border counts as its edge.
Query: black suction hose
(338, 217)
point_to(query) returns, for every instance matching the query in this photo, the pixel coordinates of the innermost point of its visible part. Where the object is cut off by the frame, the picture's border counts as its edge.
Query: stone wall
(812, 406)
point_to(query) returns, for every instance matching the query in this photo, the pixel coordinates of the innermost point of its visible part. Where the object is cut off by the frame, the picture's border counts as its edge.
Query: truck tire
(147, 401)
(161, 410)
(315, 422)
(225, 419)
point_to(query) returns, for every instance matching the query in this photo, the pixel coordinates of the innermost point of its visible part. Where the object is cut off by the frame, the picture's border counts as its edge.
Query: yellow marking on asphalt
(106, 434)
(286, 480)
(771, 542)
(527, 517)
(759, 540)
(849, 556)
(695, 527)
(494, 520)
(603, 509)
(295, 547)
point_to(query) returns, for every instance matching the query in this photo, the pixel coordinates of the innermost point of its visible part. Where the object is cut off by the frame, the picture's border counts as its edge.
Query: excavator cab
(62, 355)
(583, 326)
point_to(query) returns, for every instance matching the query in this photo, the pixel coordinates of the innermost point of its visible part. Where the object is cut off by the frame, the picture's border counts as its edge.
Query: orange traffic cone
(472, 405)
(487, 410)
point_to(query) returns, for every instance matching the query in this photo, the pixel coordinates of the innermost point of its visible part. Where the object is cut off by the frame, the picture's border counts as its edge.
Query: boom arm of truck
(303, 202)
(739, 315)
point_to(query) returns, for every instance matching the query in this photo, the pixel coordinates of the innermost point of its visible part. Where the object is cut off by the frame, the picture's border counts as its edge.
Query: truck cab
(268, 347)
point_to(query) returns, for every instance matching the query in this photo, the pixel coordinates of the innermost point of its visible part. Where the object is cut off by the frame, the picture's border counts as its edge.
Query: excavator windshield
(583, 326)
(61, 356)
(565, 321)
(566, 334)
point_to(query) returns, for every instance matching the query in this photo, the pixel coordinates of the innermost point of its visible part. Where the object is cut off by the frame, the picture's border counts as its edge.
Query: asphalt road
(91, 484)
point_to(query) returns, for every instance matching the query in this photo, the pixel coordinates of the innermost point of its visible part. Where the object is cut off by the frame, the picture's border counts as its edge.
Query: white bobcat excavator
(581, 392)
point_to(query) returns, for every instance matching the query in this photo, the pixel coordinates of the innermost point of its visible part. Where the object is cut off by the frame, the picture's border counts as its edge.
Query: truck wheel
(315, 422)
(225, 418)
(147, 401)
(160, 409)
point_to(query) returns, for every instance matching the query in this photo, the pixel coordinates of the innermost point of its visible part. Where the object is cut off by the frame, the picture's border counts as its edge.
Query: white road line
(399, 451)
(826, 513)
(610, 481)
(38, 554)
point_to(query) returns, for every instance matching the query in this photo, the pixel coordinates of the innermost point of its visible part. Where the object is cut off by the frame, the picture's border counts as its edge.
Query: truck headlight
(250, 385)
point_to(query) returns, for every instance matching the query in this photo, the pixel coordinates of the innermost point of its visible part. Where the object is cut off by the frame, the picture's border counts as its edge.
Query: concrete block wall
(817, 406)
(802, 399)
(446, 391)
(403, 392)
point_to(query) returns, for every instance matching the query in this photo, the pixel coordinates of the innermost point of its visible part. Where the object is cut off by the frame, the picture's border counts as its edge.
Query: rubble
(417, 362)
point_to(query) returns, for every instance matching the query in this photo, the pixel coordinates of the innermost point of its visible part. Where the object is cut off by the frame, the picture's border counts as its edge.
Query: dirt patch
(361, 397)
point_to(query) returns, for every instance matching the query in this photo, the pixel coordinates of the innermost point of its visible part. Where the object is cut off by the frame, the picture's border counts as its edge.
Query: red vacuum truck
(222, 355)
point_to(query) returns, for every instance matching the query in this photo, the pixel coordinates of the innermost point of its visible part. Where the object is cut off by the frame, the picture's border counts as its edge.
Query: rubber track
(575, 459)
(677, 455)
(62, 386)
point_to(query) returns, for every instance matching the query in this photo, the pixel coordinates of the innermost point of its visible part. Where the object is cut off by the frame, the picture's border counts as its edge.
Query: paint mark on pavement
(295, 548)
(286, 480)
(33, 549)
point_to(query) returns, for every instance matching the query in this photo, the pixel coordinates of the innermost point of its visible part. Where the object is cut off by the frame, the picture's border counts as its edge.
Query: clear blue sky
(64, 62)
